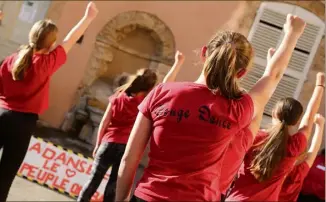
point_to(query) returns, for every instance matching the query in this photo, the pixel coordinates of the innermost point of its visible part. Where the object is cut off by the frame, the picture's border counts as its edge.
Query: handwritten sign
(58, 168)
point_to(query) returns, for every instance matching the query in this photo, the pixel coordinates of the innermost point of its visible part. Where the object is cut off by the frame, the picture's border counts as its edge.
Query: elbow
(274, 75)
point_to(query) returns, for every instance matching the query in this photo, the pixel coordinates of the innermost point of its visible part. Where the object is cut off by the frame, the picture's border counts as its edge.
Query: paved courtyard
(23, 190)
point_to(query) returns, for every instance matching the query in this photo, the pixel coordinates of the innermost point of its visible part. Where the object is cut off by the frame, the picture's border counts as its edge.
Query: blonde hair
(271, 151)
(227, 54)
(41, 36)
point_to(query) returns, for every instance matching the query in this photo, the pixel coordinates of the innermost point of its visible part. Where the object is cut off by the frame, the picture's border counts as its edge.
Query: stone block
(86, 132)
(68, 122)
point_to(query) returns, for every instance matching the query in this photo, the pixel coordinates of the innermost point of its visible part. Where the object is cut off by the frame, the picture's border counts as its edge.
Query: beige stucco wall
(191, 23)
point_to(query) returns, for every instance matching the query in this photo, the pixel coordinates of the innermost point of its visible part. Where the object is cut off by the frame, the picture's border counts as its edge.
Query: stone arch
(116, 30)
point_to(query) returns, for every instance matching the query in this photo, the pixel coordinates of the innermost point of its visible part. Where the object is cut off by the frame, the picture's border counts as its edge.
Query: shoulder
(298, 137)
(9, 60)
(297, 143)
(116, 97)
(261, 136)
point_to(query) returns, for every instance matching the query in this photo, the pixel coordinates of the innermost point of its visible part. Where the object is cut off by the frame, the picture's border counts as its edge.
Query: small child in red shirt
(293, 183)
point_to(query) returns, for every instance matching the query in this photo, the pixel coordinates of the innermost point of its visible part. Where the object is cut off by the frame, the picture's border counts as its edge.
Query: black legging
(108, 154)
(16, 130)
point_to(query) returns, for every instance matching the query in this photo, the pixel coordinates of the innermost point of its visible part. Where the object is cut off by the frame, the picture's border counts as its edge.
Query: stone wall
(117, 29)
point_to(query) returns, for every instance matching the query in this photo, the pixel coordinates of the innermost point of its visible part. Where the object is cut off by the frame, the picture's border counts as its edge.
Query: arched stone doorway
(114, 38)
(128, 42)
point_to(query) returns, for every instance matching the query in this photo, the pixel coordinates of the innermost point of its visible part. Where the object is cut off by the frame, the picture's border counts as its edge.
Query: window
(266, 32)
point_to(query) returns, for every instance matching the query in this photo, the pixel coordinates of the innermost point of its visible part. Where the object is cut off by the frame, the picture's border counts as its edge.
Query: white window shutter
(307, 45)
(266, 32)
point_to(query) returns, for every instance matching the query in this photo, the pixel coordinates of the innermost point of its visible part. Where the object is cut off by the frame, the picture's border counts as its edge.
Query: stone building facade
(126, 37)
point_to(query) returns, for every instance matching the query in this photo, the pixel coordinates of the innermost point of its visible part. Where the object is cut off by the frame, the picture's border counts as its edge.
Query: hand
(270, 54)
(95, 151)
(91, 11)
(1, 15)
(320, 79)
(179, 57)
(294, 25)
(319, 119)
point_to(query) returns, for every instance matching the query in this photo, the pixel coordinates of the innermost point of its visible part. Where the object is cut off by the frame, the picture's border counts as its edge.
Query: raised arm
(172, 74)
(106, 120)
(313, 106)
(78, 30)
(316, 140)
(263, 90)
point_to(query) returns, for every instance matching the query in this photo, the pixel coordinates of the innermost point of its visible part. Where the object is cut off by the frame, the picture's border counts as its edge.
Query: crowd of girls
(204, 136)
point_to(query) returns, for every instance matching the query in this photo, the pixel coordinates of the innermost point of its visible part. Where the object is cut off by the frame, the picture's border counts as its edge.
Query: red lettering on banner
(49, 177)
(75, 189)
(61, 157)
(83, 164)
(97, 197)
(36, 147)
(89, 170)
(73, 163)
(61, 185)
(31, 170)
(53, 167)
(48, 152)
(41, 177)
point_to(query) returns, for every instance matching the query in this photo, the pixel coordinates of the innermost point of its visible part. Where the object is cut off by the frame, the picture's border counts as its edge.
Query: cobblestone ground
(23, 190)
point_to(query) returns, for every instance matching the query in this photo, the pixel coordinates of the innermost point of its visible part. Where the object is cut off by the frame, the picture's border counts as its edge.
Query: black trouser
(16, 130)
(108, 154)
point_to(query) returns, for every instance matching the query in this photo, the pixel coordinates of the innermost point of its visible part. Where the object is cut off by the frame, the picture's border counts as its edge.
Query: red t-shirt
(30, 95)
(248, 188)
(234, 157)
(314, 184)
(293, 182)
(124, 113)
(191, 128)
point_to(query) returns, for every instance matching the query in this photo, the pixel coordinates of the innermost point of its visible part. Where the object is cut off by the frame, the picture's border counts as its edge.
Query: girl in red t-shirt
(293, 183)
(24, 89)
(190, 124)
(116, 125)
(313, 188)
(275, 150)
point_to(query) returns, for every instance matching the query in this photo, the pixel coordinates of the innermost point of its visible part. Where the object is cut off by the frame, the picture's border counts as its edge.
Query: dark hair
(41, 36)
(271, 151)
(143, 81)
(227, 54)
(322, 152)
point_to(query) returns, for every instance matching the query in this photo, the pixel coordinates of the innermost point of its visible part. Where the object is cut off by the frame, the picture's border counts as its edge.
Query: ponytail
(129, 86)
(143, 81)
(220, 69)
(270, 152)
(23, 61)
